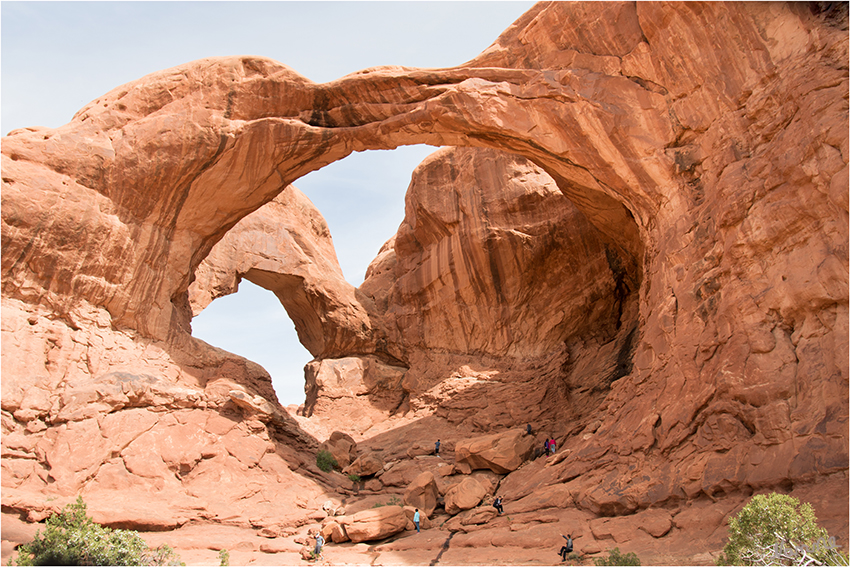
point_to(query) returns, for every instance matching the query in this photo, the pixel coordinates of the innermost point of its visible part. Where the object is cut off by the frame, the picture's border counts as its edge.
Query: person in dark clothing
(528, 429)
(437, 447)
(567, 547)
(497, 504)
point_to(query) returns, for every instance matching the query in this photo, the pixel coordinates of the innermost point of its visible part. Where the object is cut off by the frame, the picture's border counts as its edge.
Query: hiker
(416, 520)
(567, 547)
(320, 541)
(552, 445)
(546, 447)
(497, 504)
(437, 447)
(528, 429)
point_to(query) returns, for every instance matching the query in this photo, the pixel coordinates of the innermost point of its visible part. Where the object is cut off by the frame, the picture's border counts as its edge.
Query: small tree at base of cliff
(72, 538)
(775, 529)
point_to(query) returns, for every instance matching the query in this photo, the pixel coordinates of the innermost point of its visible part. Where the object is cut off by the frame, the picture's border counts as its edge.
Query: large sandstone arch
(706, 142)
(256, 127)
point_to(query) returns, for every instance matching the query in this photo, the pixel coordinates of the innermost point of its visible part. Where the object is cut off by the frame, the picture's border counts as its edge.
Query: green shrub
(573, 556)
(72, 538)
(325, 461)
(224, 557)
(775, 529)
(354, 477)
(616, 558)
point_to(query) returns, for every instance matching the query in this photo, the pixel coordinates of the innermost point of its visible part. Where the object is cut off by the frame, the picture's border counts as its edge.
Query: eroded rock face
(286, 248)
(700, 351)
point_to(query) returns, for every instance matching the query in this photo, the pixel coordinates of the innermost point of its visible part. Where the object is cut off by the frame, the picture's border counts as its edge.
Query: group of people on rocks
(549, 444)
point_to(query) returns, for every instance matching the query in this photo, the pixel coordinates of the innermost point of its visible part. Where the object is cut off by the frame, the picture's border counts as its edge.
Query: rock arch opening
(252, 324)
(491, 263)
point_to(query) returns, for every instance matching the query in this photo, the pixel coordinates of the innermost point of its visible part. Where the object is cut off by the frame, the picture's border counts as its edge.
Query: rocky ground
(635, 238)
(527, 533)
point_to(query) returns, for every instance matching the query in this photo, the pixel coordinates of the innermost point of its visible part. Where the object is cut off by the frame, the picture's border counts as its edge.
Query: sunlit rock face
(695, 153)
(286, 248)
(493, 269)
(492, 259)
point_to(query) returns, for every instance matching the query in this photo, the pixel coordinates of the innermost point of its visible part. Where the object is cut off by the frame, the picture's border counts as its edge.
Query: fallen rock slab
(501, 453)
(372, 525)
(423, 493)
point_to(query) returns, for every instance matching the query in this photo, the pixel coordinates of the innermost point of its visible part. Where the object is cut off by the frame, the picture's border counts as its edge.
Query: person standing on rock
(552, 445)
(546, 447)
(437, 447)
(567, 547)
(416, 520)
(528, 429)
(320, 541)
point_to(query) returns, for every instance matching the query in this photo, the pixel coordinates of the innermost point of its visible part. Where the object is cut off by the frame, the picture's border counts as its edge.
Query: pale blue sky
(56, 57)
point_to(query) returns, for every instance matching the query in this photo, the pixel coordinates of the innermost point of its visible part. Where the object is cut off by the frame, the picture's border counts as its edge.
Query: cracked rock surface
(634, 239)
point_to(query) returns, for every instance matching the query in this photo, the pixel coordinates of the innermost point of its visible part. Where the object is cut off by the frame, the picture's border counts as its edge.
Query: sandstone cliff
(646, 254)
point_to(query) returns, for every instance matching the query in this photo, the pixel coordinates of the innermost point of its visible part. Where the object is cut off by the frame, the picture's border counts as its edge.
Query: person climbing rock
(497, 504)
(416, 520)
(567, 547)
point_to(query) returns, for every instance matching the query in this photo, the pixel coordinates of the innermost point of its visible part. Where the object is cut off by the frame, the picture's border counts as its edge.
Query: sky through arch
(56, 57)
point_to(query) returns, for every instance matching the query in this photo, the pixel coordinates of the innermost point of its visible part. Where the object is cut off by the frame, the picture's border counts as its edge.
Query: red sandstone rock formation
(500, 453)
(695, 351)
(286, 248)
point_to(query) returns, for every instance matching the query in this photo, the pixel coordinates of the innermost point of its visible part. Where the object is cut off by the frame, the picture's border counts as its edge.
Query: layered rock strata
(704, 145)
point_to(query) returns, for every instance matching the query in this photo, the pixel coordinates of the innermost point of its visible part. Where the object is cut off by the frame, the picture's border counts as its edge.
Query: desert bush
(616, 558)
(72, 538)
(776, 529)
(354, 477)
(325, 461)
(224, 558)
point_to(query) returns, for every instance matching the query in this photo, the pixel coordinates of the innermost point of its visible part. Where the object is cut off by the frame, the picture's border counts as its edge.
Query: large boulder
(365, 465)
(501, 453)
(342, 446)
(335, 532)
(423, 493)
(464, 495)
(375, 524)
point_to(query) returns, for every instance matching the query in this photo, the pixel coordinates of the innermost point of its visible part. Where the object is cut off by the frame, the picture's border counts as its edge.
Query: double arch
(183, 154)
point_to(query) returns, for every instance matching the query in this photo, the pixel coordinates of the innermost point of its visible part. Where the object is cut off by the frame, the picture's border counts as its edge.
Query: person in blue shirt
(320, 541)
(437, 447)
(416, 519)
